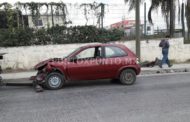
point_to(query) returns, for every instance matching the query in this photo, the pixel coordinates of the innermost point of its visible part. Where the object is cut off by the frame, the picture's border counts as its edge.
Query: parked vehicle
(1, 58)
(91, 62)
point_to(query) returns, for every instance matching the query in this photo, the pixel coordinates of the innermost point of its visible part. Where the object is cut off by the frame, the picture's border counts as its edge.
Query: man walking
(164, 44)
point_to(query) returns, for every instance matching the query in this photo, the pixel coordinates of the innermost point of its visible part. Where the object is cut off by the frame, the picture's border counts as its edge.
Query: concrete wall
(27, 57)
(179, 51)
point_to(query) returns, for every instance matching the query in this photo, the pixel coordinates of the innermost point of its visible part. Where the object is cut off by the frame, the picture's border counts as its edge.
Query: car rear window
(112, 51)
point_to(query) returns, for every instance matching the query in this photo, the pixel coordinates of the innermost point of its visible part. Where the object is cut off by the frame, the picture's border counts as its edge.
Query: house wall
(26, 57)
(46, 20)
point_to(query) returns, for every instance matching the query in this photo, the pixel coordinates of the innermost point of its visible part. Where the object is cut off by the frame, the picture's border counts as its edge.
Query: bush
(57, 35)
(18, 37)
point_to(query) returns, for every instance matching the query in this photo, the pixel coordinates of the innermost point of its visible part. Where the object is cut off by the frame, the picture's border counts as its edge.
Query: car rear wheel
(128, 77)
(54, 81)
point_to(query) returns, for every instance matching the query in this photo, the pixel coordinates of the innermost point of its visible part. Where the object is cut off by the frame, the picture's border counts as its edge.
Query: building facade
(45, 21)
(129, 27)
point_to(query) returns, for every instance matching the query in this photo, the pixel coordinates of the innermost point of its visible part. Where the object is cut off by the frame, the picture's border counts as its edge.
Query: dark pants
(165, 56)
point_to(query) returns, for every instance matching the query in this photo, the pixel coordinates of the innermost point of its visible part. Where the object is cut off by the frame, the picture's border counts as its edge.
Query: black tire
(127, 77)
(54, 81)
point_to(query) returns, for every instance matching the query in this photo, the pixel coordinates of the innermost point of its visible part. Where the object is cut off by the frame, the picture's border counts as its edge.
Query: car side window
(87, 53)
(112, 51)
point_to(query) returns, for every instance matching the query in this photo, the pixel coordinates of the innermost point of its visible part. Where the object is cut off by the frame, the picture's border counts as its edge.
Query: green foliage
(3, 20)
(8, 17)
(18, 37)
(57, 35)
(41, 37)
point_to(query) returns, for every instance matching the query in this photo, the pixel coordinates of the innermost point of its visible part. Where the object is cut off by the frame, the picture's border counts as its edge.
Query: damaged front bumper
(39, 78)
(1, 79)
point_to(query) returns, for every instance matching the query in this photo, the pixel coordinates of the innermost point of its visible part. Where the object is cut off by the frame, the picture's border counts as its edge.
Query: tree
(35, 7)
(59, 7)
(85, 6)
(101, 14)
(8, 16)
(187, 14)
(167, 9)
(98, 9)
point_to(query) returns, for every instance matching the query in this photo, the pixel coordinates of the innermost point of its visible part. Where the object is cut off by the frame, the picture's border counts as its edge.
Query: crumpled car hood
(45, 62)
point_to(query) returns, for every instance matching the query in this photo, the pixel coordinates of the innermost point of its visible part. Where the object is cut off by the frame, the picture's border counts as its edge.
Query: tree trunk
(168, 23)
(187, 14)
(47, 18)
(23, 23)
(18, 19)
(182, 20)
(172, 18)
(52, 19)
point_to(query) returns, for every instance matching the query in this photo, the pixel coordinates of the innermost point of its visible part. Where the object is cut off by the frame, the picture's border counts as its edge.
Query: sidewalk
(175, 68)
(145, 71)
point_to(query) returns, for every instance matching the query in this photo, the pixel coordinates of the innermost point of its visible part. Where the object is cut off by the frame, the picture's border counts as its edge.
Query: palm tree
(167, 9)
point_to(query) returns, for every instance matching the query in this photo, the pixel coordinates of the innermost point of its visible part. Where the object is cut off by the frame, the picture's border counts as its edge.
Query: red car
(99, 61)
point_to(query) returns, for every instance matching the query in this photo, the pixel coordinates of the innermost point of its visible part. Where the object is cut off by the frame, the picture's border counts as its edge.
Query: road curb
(165, 71)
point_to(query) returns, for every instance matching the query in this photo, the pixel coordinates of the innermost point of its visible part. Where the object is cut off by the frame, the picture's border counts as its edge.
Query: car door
(86, 64)
(114, 59)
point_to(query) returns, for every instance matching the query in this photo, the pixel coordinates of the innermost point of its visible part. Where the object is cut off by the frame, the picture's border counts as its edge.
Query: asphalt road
(163, 98)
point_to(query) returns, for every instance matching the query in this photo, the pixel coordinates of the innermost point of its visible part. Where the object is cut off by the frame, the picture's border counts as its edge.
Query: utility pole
(102, 7)
(182, 20)
(138, 30)
(172, 18)
(145, 19)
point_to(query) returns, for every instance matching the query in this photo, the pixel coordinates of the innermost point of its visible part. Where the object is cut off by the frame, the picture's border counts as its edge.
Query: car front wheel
(128, 77)
(54, 81)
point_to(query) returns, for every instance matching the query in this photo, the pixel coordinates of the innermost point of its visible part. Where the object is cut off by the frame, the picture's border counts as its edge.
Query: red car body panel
(92, 69)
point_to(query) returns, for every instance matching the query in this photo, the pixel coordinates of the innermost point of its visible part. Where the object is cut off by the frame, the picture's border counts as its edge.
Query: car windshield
(72, 52)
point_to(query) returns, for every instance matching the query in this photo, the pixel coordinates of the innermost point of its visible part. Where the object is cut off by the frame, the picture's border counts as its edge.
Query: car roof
(104, 44)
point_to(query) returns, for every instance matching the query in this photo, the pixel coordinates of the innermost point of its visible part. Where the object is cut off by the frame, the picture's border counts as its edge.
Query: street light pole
(145, 19)
(138, 30)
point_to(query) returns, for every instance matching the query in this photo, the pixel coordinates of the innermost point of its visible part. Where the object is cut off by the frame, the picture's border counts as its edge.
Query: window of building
(38, 22)
(148, 28)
